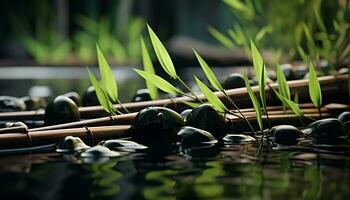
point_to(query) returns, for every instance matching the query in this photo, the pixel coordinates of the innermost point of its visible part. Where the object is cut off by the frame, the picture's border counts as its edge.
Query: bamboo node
(173, 102)
(90, 135)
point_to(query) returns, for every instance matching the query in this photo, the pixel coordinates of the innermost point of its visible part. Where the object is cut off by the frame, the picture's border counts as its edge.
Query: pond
(232, 172)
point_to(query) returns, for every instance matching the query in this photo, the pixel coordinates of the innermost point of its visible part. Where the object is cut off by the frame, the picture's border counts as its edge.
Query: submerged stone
(206, 117)
(90, 97)
(325, 131)
(99, 151)
(286, 134)
(61, 110)
(234, 80)
(71, 144)
(154, 126)
(190, 136)
(122, 145)
(11, 104)
(74, 96)
(238, 139)
(142, 95)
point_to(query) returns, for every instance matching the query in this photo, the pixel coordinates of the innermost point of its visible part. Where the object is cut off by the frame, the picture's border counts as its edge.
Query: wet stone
(238, 139)
(288, 71)
(205, 151)
(154, 126)
(71, 144)
(190, 136)
(99, 151)
(11, 104)
(89, 97)
(206, 117)
(74, 96)
(34, 103)
(325, 131)
(61, 110)
(344, 117)
(234, 80)
(122, 145)
(142, 95)
(286, 134)
(185, 113)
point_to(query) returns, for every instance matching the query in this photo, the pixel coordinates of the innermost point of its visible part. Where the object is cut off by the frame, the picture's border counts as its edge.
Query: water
(233, 172)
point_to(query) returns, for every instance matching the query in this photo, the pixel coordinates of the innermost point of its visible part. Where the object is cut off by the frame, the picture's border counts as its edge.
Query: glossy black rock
(99, 151)
(325, 131)
(61, 110)
(90, 97)
(206, 117)
(74, 96)
(344, 117)
(234, 80)
(11, 104)
(190, 136)
(141, 95)
(286, 134)
(71, 144)
(156, 126)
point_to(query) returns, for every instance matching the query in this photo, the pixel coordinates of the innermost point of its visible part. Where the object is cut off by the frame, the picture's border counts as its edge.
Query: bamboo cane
(333, 86)
(92, 135)
(126, 119)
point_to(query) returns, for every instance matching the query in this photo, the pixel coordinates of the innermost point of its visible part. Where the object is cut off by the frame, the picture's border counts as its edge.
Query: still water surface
(232, 172)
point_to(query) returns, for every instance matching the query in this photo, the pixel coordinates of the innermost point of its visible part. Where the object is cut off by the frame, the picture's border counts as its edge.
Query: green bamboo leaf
(101, 94)
(314, 87)
(162, 54)
(302, 53)
(262, 87)
(208, 72)
(158, 82)
(211, 97)
(296, 98)
(148, 67)
(292, 105)
(220, 37)
(241, 7)
(282, 83)
(255, 101)
(258, 65)
(107, 78)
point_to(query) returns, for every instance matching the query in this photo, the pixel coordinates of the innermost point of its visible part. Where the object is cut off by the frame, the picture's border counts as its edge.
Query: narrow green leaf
(282, 83)
(101, 94)
(158, 82)
(296, 98)
(148, 67)
(208, 72)
(221, 37)
(211, 97)
(314, 87)
(258, 64)
(302, 54)
(255, 101)
(107, 78)
(162, 54)
(292, 105)
(241, 7)
(262, 87)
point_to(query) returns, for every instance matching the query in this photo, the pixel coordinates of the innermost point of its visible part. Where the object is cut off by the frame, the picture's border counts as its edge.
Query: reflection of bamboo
(126, 119)
(95, 134)
(332, 86)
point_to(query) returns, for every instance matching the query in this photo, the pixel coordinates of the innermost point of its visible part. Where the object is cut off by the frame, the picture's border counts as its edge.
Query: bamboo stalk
(127, 119)
(333, 86)
(92, 135)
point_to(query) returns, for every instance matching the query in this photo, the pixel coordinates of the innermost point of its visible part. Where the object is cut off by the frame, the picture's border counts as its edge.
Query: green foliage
(260, 72)
(108, 81)
(292, 105)
(211, 97)
(162, 54)
(148, 67)
(191, 104)
(209, 73)
(220, 37)
(255, 101)
(101, 94)
(314, 87)
(282, 85)
(158, 82)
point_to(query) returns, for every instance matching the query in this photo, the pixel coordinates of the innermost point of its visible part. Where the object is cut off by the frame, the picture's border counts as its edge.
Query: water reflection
(234, 172)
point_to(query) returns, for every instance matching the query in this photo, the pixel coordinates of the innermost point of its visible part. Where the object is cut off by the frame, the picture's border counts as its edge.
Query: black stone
(61, 110)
